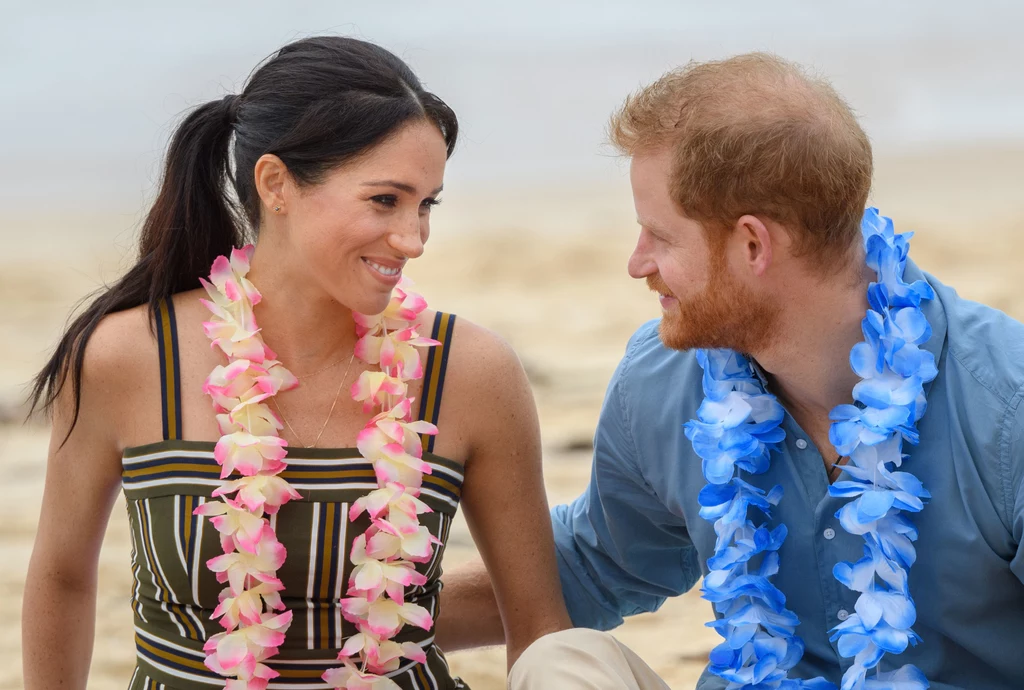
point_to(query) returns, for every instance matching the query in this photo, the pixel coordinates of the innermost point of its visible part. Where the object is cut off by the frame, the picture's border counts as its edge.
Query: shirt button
(830, 533)
(801, 444)
(843, 614)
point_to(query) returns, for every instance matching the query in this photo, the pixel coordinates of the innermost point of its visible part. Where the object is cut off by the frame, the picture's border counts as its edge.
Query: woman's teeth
(384, 270)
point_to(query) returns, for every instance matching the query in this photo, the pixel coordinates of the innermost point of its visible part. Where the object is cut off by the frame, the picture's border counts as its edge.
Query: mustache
(656, 284)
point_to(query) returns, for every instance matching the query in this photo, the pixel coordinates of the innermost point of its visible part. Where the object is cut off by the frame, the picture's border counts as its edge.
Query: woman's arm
(83, 476)
(503, 492)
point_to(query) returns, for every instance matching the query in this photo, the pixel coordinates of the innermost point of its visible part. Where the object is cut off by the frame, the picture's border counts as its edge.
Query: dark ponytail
(315, 104)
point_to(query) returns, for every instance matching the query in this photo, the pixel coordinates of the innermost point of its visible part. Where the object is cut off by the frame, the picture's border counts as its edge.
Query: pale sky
(91, 90)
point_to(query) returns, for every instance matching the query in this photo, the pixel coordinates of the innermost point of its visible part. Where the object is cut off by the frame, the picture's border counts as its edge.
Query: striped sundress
(174, 593)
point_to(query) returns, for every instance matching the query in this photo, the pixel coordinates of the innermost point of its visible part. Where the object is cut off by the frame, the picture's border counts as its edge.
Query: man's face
(703, 304)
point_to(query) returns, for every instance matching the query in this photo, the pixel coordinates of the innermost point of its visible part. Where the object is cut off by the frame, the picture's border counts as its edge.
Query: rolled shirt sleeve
(1013, 477)
(620, 550)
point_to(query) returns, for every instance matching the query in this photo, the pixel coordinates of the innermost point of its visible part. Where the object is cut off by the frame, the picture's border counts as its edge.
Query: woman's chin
(369, 304)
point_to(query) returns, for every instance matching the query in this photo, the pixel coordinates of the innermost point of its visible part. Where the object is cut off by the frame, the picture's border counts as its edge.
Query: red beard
(725, 314)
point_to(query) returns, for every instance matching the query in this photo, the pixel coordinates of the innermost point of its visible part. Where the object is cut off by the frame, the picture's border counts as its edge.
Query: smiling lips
(389, 272)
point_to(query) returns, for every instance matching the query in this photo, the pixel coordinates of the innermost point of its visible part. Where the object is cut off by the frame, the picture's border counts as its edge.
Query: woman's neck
(305, 326)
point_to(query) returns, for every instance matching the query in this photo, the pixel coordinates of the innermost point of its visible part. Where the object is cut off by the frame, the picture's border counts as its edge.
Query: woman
(337, 154)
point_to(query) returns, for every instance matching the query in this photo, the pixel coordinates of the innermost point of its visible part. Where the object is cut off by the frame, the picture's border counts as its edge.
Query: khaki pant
(581, 659)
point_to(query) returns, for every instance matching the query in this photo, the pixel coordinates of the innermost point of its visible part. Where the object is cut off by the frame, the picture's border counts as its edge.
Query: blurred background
(537, 221)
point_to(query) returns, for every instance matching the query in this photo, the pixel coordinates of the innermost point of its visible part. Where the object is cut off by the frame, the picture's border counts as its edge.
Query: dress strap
(433, 376)
(170, 375)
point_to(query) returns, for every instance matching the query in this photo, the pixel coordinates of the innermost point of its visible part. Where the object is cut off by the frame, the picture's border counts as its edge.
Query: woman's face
(353, 232)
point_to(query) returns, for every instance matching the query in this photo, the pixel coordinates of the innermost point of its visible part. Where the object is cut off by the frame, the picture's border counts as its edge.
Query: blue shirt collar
(933, 311)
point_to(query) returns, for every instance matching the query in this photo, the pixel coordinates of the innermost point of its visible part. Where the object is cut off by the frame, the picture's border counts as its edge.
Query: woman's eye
(429, 203)
(388, 200)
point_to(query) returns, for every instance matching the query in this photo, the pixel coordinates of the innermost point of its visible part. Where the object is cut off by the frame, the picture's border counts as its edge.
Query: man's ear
(756, 241)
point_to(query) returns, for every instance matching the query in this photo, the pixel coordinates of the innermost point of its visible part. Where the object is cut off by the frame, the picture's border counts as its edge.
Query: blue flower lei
(738, 425)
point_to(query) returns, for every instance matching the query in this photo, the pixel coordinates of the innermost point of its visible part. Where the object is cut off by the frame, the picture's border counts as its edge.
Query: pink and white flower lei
(251, 610)
(385, 555)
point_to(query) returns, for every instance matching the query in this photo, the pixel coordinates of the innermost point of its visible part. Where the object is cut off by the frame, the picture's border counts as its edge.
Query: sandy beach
(547, 272)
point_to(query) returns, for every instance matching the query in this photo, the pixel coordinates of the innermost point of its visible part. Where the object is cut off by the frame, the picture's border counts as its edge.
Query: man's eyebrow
(649, 225)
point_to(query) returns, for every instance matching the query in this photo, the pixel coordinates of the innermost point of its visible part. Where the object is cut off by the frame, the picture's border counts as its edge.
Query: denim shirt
(635, 538)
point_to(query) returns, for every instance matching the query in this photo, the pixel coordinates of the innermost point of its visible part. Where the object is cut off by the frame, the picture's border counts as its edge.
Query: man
(750, 181)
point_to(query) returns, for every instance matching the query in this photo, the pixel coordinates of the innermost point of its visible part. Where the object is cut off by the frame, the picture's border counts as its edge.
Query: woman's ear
(271, 177)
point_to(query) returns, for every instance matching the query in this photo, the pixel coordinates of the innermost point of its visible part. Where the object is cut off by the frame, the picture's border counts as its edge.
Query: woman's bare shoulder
(485, 383)
(120, 373)
(475, 355)
(122, 344)
(481, 352)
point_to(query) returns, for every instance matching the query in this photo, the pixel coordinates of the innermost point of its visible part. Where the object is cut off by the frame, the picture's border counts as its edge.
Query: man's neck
(808, 362)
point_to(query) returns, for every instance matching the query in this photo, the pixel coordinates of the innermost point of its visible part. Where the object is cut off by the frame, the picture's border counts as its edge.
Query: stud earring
(277, 209)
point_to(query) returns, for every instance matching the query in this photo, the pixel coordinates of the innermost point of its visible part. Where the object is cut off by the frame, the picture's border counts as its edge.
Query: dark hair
(315, 104)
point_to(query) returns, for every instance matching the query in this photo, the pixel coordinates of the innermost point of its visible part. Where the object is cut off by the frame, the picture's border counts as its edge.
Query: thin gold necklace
(330, 413)
(319, 371)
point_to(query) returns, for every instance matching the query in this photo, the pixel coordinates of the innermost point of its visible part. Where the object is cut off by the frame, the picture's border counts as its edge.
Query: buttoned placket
(830, 542)
(810, 469)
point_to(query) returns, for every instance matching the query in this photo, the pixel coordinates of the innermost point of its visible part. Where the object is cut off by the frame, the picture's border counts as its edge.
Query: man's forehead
(658, 228)
(652, 159)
